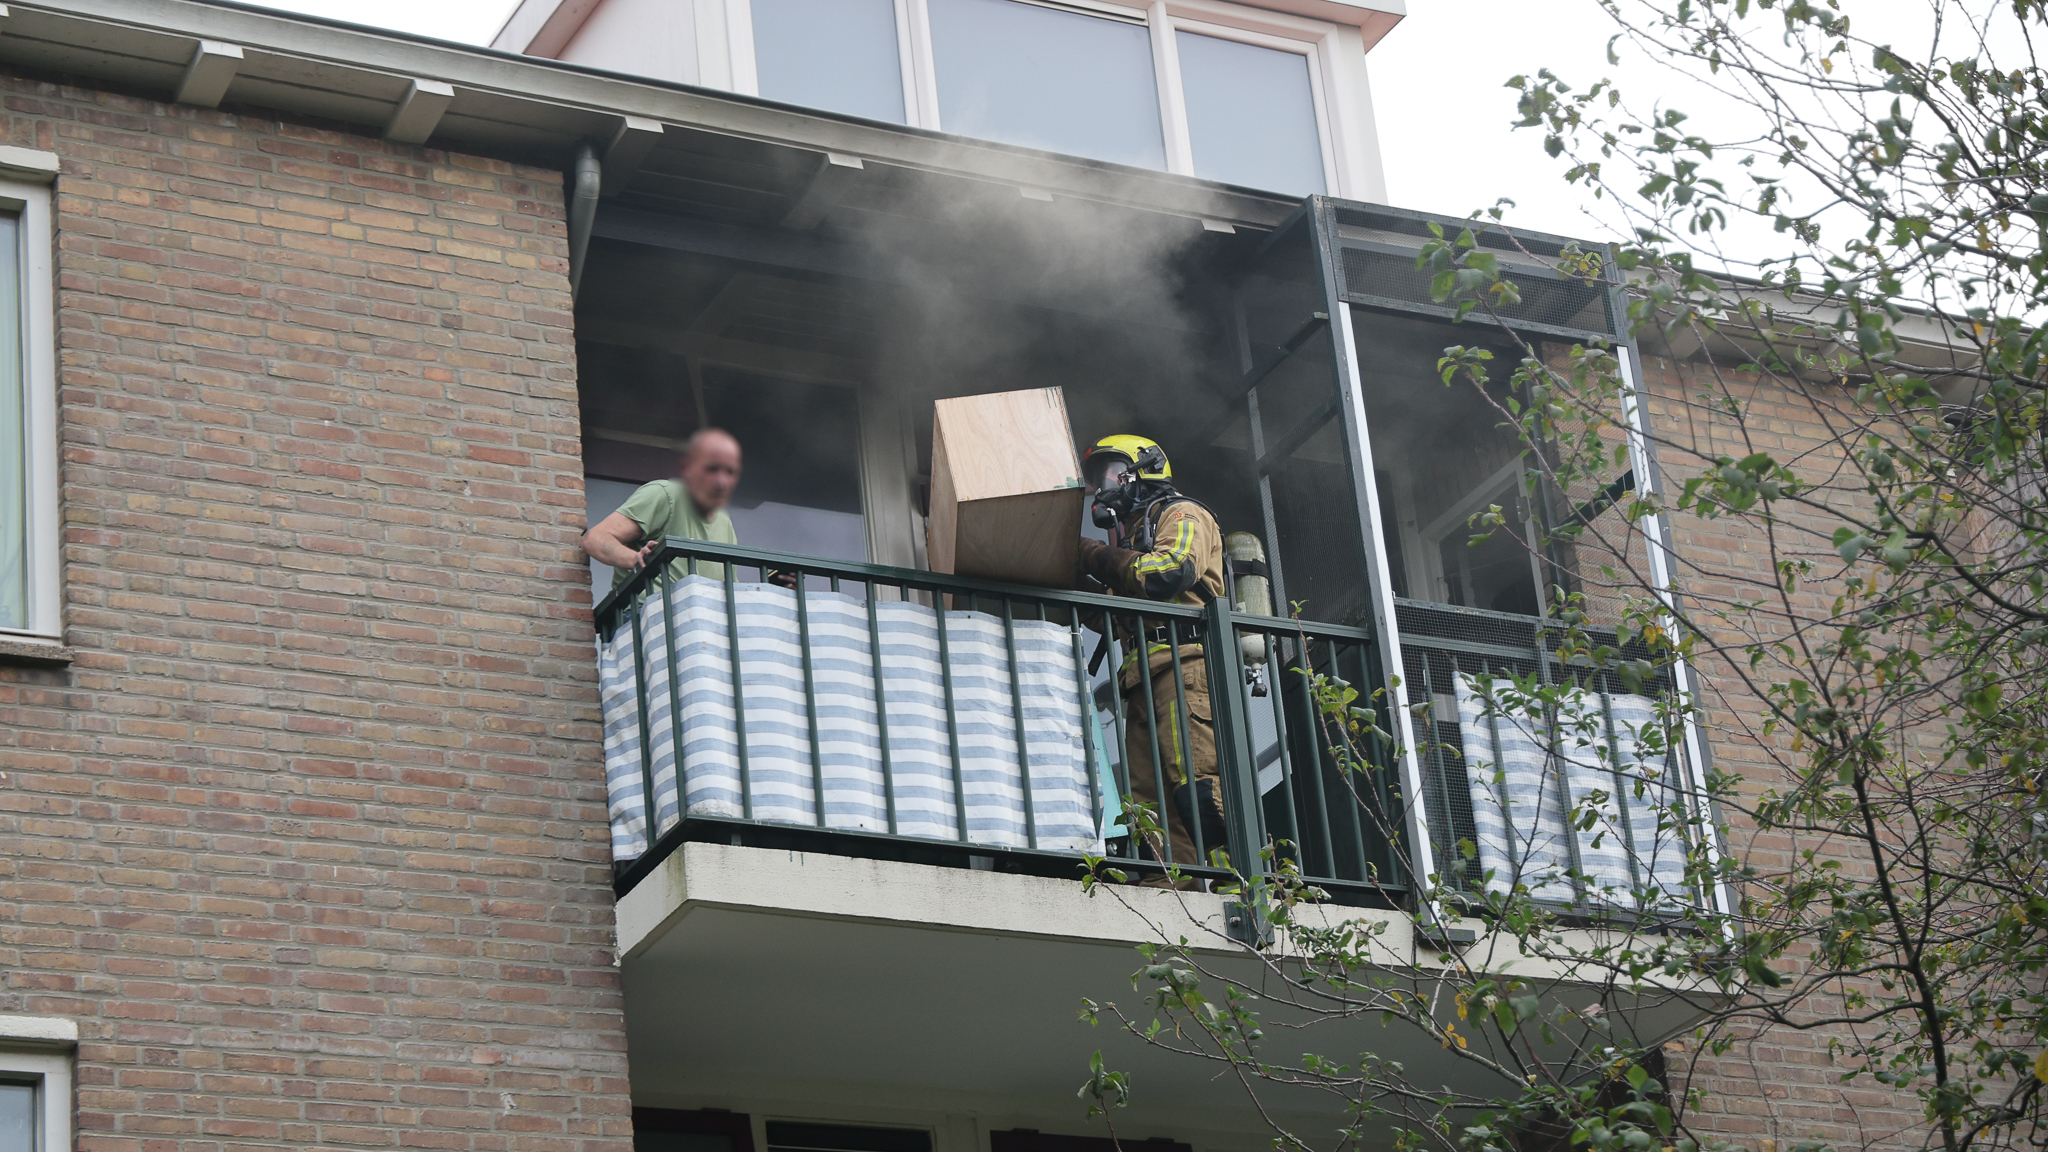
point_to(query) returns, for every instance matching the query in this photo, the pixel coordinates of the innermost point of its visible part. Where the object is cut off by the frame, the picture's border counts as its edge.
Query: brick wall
(310, 838)
(1775, 1088)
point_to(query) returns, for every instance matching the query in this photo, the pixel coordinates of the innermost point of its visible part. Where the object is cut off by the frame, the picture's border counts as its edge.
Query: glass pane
(17, 1118)
(1044, 78)
(788, 1136)
(13, 437)
(839, 55)
(1251, 114)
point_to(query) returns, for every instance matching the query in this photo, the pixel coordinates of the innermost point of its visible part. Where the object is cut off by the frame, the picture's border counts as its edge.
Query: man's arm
(616, 540)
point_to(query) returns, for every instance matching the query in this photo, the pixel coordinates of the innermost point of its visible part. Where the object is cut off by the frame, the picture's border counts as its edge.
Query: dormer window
(1049, 77)
(838, 55)
(1267, 95)
(1251, 111)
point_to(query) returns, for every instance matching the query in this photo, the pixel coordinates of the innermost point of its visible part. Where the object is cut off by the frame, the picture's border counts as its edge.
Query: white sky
(1437, 79)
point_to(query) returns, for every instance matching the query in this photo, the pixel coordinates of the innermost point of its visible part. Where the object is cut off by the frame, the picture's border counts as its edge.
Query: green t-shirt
(664, 508)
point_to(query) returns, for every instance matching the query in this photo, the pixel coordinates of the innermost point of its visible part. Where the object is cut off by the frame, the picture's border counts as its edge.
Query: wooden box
(1006, 489)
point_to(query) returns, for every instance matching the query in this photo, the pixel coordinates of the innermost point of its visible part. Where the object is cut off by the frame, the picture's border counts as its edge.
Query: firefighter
(1162, 546)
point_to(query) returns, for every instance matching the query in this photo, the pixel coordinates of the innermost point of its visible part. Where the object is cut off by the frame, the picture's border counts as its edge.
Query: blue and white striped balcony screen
(778, 768)
(1533, 781)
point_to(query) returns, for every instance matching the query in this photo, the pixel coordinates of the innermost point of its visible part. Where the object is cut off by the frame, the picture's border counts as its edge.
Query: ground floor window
(716, 1130)
(691, 1130)
(799, 1136)
(35, 1083)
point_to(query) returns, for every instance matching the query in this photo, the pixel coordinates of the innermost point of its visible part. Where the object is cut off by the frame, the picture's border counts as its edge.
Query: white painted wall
(655, 38)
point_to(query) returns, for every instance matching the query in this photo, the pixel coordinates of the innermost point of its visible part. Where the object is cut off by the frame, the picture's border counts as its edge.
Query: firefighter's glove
(1102, 563)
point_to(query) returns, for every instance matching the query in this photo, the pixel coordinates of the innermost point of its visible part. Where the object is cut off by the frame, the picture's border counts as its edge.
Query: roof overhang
(519, 108)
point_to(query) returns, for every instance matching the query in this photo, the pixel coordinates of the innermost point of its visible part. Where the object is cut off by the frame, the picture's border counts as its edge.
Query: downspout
(587, 181)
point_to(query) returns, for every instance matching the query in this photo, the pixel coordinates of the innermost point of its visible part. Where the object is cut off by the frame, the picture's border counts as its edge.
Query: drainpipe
(587, 182)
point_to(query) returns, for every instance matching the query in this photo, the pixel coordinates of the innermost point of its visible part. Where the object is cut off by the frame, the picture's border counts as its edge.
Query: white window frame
(38, 1050)
(25, 177)
(1314, 39)
(1312, 42)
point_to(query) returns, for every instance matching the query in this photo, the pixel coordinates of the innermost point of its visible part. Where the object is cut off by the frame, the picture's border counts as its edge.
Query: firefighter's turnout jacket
(1183, 566)
(1187, 551)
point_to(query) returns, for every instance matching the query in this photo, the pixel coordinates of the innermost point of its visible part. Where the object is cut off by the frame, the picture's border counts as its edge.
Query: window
(14, 437)
(28, 413)
(1030, 1140)
(795, 1136)
(1047, 78)
(675, 1130)
(838, 55)
(1129, 83)
(17, 1117)
(1251, 114)
(1448, 455)
(35, 1083)
(800, 484)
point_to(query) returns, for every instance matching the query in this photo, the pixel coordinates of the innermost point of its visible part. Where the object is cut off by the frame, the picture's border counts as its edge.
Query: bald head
(710, 468)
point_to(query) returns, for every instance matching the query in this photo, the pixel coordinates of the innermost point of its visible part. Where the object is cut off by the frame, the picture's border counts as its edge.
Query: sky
(1437, 80)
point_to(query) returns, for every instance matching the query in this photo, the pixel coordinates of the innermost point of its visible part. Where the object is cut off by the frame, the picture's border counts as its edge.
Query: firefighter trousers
(1179, 713)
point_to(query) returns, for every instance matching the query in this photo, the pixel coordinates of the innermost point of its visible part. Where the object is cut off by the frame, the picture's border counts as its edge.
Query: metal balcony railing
(880, 711)
(1589, 807)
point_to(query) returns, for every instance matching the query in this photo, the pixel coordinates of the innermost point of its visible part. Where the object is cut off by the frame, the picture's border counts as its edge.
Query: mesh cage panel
(1439, 643)
(1556, 303)
(1597, 551)
(1342, 825)
(1393, 275)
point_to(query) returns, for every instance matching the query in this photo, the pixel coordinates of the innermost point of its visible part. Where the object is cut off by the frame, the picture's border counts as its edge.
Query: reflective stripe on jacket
(1187, 552)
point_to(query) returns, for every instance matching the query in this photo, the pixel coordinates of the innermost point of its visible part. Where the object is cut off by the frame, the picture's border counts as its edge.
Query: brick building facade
(305, 810)
(307, 836)
(1776, 1087)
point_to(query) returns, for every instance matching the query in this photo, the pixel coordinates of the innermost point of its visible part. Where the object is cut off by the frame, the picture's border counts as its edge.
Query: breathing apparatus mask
(1119, 491)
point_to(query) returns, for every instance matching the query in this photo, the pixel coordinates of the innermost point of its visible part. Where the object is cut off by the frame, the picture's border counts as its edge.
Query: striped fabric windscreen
(779, 772)
(1531, 778)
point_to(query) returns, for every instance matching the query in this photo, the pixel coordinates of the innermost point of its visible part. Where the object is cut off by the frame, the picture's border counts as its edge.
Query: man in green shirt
(692, 506)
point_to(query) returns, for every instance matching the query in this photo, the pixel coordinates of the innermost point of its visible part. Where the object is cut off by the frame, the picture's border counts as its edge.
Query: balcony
(777, 694)
(850, 817)
(929, 905)
(930, 902)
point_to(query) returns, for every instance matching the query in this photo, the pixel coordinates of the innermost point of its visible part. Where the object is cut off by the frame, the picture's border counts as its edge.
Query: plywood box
(1006, 489)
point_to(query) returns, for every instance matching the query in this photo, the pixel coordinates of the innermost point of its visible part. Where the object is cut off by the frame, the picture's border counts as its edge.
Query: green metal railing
(1442, 644)
(1279, 784)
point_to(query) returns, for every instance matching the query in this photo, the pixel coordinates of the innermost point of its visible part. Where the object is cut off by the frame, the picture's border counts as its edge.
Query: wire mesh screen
(1378, 260)
(1307, 467)
(1615, 773)
(1342, 825)
(1599, 554)
(1438, 643)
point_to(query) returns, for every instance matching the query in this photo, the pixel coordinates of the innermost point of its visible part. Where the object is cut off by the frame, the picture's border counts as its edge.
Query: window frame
(1313, 39)
(38, 1050)
(1175, 18)
(24, 190)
